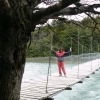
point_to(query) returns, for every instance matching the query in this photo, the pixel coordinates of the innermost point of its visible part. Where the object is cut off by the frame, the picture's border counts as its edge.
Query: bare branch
(52, 9)
(73, 11)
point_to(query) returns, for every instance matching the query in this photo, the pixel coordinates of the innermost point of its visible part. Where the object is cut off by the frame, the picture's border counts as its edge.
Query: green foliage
(62, 34)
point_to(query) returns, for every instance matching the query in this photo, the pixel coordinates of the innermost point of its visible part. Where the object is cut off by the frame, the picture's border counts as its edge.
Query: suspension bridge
(41, 89)
(44, 88)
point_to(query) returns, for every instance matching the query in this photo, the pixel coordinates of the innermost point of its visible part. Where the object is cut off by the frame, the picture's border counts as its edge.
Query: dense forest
(66, 34)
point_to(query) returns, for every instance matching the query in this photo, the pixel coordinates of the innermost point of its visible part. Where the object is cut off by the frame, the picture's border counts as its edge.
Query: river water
(88, 90)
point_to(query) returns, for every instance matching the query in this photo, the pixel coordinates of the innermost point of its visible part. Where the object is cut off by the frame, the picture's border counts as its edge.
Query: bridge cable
(82, 54)
(98, 52)
(91, 53)
(78, 53)
(71, 52)
(49, 66)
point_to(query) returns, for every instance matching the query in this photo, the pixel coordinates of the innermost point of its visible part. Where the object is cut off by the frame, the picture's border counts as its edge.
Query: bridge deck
(36, 90)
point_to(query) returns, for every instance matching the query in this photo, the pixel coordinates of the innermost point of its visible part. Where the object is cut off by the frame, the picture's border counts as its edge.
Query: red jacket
(61, 55)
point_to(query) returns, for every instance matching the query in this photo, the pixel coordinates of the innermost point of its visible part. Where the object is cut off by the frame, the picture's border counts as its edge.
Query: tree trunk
(12, 61)
(13, 44)
(14, 35)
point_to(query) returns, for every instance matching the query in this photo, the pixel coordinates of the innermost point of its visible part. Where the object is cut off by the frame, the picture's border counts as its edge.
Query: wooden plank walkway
(36, 90)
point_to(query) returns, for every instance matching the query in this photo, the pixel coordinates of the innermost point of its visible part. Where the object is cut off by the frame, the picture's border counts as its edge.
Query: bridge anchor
(80, 82)
(96, 69)
(88, 77)
(48, 98)
(93, 73)
(68, 88)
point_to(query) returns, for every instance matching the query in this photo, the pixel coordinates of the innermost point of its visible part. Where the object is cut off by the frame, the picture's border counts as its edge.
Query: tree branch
(52, 9)
(72, 11)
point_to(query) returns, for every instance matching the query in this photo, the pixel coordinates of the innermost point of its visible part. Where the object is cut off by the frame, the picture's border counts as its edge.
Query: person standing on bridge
(60, 54)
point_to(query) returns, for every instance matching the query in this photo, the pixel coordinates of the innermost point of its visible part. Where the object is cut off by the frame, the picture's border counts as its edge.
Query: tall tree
(17, 19)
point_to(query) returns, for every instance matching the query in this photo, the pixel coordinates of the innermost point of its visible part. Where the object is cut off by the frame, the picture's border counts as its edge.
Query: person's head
(61, 49)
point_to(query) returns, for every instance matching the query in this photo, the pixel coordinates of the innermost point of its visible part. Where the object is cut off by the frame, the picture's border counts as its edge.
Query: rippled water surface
(88, 90)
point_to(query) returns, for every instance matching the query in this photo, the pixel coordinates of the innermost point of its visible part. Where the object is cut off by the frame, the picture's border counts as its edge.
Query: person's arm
(67, 53)
(53, 51)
